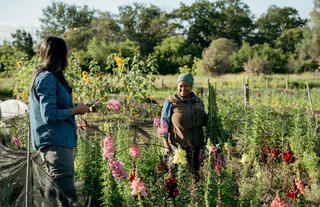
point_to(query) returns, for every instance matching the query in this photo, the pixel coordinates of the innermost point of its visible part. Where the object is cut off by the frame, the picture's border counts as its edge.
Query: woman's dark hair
(54, 53)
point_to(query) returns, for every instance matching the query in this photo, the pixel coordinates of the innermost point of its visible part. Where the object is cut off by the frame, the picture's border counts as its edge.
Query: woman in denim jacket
(52, 123)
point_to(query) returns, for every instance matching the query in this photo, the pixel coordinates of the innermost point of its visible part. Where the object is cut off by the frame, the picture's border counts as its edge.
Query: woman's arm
(166, 117)
(166, 114)
(46, 89)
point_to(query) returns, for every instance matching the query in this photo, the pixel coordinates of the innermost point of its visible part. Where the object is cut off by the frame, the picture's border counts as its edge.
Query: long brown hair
(54, 53)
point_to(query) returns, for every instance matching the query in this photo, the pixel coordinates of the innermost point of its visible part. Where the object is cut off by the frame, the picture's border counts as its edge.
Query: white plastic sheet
(12, 108)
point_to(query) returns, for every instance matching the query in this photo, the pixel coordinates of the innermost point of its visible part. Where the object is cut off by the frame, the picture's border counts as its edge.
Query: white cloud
(7, 28)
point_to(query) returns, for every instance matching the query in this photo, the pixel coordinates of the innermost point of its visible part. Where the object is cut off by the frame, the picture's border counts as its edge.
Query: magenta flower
(156, 122)
(108, 150)
(114, 104)
(135, 151)
(138, 186)
(163, 128)
(117, 170)
(16, 141)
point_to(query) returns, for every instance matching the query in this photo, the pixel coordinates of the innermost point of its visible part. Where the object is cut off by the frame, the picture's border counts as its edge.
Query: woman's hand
(80, 109)
(168, 150)
(167, 146)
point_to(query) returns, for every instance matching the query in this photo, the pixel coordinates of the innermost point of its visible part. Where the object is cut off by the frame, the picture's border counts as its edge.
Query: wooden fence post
(310, 100)
(162, 84)
(287, 84)
(267, 83)
(246, 94)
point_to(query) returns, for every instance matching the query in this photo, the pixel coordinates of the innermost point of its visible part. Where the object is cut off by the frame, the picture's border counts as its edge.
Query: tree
(288, 40)
(216, 58)
(146, 25)
(207, 21)
(271, 24)
(103, 27)
(309, 48)
(106, 26)
(60, 16)
(172, 53)
(274, 60)
(100, 49)
(23, 41)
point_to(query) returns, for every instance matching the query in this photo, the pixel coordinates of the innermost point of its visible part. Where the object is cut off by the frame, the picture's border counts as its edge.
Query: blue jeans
(59, 162)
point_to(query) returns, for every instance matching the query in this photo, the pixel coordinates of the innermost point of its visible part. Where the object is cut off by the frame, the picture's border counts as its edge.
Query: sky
(25, 14)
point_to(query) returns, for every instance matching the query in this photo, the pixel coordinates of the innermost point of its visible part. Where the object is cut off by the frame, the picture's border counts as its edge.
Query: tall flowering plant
(138, 187)
(135, 151)
(163, 128)
(179, 156)
(219, 160)
(114, 104)
(172, 186)
(115, 165)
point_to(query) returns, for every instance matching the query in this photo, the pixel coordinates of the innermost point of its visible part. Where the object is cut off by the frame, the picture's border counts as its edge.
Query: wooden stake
(310, 100)
(287, 82)
(246, 94)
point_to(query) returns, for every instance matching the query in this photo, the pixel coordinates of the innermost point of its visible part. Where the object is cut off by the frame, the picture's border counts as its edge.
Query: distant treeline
(203, 38)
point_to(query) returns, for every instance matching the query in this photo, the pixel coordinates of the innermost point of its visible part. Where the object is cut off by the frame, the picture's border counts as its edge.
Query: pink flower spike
(277, 203)
(156, 122)
(138, 186)
(108, 150)
(16, 141)
(163, 128)
(117, 170)
(135, 151)
(114, 104)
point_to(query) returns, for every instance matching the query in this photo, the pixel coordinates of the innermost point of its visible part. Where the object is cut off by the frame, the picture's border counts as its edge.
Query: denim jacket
(51, 119)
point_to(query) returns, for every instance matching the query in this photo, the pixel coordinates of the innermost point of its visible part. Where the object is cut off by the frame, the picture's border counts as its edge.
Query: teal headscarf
(185, 77)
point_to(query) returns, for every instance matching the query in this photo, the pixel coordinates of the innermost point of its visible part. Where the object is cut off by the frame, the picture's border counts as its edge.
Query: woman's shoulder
(45, 75)
(172, 98)
(45, 78)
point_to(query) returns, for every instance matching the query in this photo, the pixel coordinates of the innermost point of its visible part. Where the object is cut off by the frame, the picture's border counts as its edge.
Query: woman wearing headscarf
(52, 122)
(185, 116)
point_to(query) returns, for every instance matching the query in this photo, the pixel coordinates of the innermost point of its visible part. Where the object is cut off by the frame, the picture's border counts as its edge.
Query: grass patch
(6, 86)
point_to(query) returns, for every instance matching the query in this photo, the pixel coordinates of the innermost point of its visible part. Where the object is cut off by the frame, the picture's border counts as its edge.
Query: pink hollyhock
(277, 203)
(108, 150)
(163, 128)
(156, 121)
(16, 141)
(117, 170)
(138, 186)
(135, 151)
(114, 104)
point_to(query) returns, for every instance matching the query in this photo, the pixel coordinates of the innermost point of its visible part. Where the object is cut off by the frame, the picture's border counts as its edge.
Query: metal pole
(28, 169)
(310, 100)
